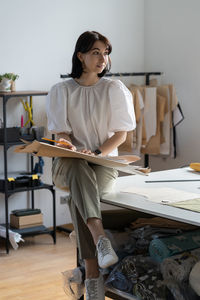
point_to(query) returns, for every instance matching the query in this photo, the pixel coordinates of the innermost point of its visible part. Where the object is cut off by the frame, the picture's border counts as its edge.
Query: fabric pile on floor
(156, 259)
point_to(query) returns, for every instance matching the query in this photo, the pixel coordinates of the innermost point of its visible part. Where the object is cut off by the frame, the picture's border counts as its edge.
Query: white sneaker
(105, 253)
(95, 288)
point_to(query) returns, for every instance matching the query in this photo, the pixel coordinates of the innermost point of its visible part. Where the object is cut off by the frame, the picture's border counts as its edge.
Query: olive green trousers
(86, 183)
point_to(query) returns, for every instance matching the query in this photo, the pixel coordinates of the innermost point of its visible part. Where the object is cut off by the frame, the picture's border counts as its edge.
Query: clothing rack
(118, 74)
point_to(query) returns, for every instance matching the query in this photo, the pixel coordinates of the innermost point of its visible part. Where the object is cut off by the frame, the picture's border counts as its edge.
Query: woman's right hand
(66, 144)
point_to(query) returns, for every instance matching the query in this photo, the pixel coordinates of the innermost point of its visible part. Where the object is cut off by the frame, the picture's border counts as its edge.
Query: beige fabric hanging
(167, 91)
(150, 112)
(133, 140)
(153, 145)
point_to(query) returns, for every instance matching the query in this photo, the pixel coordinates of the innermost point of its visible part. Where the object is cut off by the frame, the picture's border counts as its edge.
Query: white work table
(140, 203)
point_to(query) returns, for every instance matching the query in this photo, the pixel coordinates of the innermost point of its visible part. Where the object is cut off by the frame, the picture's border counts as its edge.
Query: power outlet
(63, 199)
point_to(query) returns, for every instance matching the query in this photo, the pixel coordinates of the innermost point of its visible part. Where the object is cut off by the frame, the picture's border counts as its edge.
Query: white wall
(172, 45)
(37, 41)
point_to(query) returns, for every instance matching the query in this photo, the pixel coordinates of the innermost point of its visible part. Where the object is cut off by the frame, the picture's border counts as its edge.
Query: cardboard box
(26, 221)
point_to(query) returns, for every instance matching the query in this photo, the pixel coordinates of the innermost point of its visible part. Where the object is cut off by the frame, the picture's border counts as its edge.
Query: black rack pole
(118, 74)
(5, 98)
(146, 156)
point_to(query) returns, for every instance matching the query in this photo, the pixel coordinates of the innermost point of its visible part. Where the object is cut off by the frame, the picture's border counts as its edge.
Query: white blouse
(90, 114)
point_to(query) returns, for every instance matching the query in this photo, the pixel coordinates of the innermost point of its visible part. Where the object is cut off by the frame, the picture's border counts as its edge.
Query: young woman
(92, 114)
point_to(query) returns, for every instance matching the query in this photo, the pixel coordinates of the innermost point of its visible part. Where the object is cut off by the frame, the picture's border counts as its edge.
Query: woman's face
(96, 59)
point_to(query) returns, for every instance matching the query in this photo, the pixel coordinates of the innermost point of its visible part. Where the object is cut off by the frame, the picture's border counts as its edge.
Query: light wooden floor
(34, 270)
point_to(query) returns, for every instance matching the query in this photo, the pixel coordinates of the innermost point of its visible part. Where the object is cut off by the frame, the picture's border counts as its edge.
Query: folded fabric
(161, 222)
(178, 267)
(139, 276)
(118, 238)
(122, 283)
(176, 271)
(162, 248)
(181, 291)
(194, 278)
(26, 212)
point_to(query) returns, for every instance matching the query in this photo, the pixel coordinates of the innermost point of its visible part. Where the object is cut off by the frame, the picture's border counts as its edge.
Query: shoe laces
(92, 288)
(104, 246)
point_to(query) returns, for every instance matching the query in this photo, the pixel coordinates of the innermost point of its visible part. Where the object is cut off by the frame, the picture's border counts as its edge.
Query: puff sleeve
(122, 115)
(56, 108)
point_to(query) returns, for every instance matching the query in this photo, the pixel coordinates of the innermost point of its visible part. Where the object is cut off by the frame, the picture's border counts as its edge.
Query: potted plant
(7, 82)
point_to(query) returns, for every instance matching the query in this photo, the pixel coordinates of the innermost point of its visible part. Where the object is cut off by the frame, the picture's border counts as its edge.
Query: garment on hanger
(150, 108)
(134, 138)
(153, 145)
(157, 113)
(162, 129)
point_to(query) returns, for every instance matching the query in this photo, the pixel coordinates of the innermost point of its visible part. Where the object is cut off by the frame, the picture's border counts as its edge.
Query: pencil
(54, 141)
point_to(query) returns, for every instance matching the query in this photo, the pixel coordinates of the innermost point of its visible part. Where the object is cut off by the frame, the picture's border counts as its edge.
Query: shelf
(32, 188)
(10, 144)
(23, 93)
(9, 139)
(31, 230)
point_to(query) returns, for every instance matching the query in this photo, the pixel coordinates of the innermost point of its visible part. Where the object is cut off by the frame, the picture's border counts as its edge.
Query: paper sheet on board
(162, 195)
(193, 204)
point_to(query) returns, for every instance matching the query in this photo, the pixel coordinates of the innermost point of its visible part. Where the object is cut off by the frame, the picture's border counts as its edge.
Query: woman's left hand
(85, 151)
